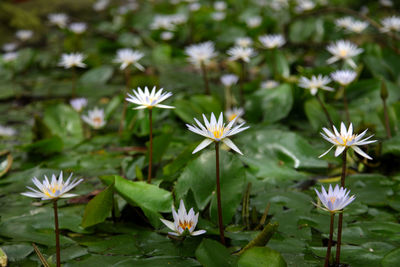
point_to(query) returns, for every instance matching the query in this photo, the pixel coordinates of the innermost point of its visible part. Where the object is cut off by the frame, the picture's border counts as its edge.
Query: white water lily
(334, 200)
(127, 56)
(166, 35)
(344, 77)
(147, 99)
(358, 26)
(254, 22)
(235, 113)
(218, 16)
(183, 222)
(6, 131)
(72, 60)
(24, 35)
(386, 3)
(101, 5)
(228, 80)
(346, 139)
(216, 131)
(243, 41)
(315, 83)
(343, 50)
(202, 53)
(78, 27)
(391, 24)
(242, 53)
(58, 19)
(78, 104)
(344, 22)
(271, 41)
(95, 118)
(220, 5)
(9, 56)
(8, 47)
(269, 84)
(304, 5)
(55, 189)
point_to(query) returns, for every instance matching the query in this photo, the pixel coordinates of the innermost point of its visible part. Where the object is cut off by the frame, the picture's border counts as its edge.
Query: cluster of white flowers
(271, 41)
(167, 22)
(202, 53)
(352, 25)
(391, 24)
(127, 57)
(77, 27)
(24, 35)
(58, 19)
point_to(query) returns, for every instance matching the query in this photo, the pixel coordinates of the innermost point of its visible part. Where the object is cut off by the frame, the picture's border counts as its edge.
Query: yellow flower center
(218, 133)
(345, 140)
(332, 199)
(186, 224)
(97, 120)
(52, 190)
(232, 117)
(343, 53)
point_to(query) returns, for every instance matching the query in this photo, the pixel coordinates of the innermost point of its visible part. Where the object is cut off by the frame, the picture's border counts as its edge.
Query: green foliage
(99, 208)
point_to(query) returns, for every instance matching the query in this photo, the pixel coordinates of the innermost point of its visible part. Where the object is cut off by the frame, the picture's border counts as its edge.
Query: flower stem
(346, 106)
(228, 97)
(74, 79)
(328, 251)
(57, 232)
(242, 78)
(340, 223)
(127, 75)
(387, 122)
(151, 145)
(328, 117)
(220, 223)
(205, 78)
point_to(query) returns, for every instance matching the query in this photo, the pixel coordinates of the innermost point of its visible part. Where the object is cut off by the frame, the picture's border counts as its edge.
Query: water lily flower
(358, 26)
(58, 19)
(254, 22)
(95, 118)
(269, 84)
(128, 57)
(344, 77)
(24, 35)
(242, 53)
(344, 22)
(194, 6)
(216, 131)
(334, 200)
(200, 53)
(243, 41)
(147, 99)
(220, 5)
(304, 5)
(218, 15)
(183, 222)
(101, 5)
(8, 47)
(235, 114)
(6, 131)
(166, 35)
(346, 139)
(343, 50)
(78, 104)
(391, 24)
(72, 60)
(10, 56)
(229, 79)
(78, 27)
(386, 3)
(315, 83)
(271, 41)
(55, 189)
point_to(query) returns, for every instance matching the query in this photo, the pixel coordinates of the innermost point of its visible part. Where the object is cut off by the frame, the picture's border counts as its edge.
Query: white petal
(198, 232)
(202, 145)
(339, 150)
(169, 224)
(229, 143)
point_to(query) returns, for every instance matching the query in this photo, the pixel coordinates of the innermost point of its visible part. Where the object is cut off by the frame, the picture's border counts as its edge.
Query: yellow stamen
(343, 53)
(97, 120)
(186, 224)
(332, 199)
(232, 117)
(218, 133)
